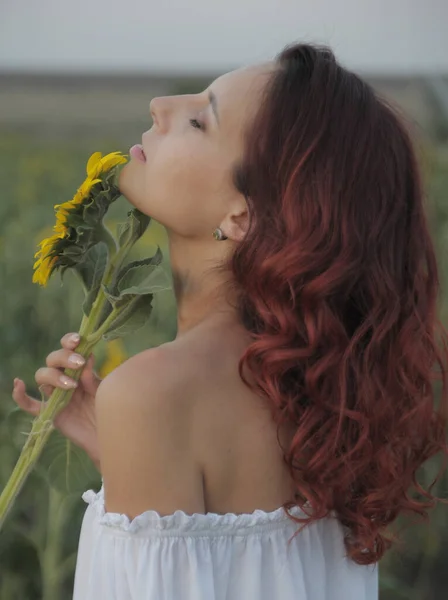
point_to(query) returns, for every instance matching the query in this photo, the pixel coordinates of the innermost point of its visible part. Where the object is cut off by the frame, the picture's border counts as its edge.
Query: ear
(236, 223)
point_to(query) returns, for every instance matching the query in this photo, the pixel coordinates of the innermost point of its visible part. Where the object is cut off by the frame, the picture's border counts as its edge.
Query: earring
(218, 234)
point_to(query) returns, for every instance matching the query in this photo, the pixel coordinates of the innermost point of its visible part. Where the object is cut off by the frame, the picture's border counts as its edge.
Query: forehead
(238, 92)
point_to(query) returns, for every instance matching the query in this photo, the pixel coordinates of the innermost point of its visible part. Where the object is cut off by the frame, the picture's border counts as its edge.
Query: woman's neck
(201, 292)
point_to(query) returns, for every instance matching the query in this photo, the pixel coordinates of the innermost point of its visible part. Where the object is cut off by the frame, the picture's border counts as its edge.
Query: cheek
(182, 184)
(176, 166)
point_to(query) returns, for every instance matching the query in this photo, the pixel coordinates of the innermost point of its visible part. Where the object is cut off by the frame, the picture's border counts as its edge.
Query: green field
(38, 543)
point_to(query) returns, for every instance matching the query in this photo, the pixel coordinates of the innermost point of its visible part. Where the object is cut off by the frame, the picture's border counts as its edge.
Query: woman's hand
(77, 420)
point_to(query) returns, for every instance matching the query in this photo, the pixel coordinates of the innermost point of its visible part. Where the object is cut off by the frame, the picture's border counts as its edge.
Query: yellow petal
(63, 210)
(98, 164)
(84, 191)
(87, 185)
(61, 219)
(111, 160)
(92, 164)
(46, 244)
(43, 272)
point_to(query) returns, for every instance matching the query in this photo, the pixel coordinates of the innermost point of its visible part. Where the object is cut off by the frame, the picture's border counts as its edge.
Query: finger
(46, 389)
(26, 402)
(49, 376)
(68, 341)
(64, 359)
(90, 362)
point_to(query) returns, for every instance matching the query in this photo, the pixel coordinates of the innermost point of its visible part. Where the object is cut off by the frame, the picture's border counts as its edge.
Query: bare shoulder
(163, 370)
(144, 412)
(179, 430)
(176, 371)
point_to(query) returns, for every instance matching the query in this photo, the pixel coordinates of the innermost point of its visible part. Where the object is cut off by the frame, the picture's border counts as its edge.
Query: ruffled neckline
(179, 522)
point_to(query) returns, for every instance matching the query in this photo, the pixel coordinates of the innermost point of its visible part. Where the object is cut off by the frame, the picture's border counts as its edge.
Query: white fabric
(214, 557)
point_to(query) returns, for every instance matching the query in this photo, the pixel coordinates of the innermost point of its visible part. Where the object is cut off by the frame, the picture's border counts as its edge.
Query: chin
(122, 178)
(127, 183)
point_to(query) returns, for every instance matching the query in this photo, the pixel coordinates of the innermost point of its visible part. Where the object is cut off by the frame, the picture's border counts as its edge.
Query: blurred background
(77, 77)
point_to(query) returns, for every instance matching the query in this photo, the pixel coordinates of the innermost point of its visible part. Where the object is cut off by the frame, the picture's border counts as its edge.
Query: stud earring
(218, 234)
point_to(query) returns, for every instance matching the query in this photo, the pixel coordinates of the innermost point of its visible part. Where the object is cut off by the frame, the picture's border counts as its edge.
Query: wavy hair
(337, 282)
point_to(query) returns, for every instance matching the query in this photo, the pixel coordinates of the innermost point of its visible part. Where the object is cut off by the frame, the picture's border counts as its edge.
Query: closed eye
(196, 124)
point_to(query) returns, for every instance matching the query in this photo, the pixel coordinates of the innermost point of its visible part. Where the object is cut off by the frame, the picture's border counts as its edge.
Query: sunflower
(50, 248)
(98, 164)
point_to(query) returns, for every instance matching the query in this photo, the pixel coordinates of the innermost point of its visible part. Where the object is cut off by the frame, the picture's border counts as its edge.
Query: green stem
(109, 276)
(27, 459)
(42, 426)
(98, 334)
(41, 430)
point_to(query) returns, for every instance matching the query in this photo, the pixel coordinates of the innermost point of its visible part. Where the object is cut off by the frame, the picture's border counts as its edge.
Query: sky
(374, 36)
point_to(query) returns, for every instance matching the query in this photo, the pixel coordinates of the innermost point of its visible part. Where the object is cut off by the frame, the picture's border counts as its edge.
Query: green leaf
(91, 268)
(144, 279)
(123, 304)
(95, 265)
(152, 260)
(132, 298)
(67, 467)
(17, 421)
(122, 229)
(18, 425)
(139, 311)
(71, 252)
(64, 465)
(116, 300)
(133, 228)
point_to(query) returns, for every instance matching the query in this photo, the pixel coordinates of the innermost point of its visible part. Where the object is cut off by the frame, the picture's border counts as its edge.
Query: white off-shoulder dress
(214, 557)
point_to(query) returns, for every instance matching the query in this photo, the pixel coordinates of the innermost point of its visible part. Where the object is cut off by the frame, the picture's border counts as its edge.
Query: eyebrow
(214, 104)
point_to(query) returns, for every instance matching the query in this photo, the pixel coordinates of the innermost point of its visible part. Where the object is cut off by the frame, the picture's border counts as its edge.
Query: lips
(138, 153)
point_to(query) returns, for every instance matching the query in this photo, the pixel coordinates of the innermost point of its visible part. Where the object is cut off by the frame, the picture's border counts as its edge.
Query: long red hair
(337, 281)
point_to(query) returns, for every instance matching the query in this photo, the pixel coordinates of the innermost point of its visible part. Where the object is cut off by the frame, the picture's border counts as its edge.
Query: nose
(158, 108)
(152, 109)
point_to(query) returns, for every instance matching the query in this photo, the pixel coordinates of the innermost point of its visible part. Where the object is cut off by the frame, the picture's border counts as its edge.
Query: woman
(262, 453)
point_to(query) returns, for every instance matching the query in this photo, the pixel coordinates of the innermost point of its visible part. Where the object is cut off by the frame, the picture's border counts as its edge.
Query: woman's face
(183, 178)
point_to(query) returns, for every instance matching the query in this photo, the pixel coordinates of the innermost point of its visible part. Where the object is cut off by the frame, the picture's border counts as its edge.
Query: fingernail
(67, 381)
(76, 359)
(75, 338)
